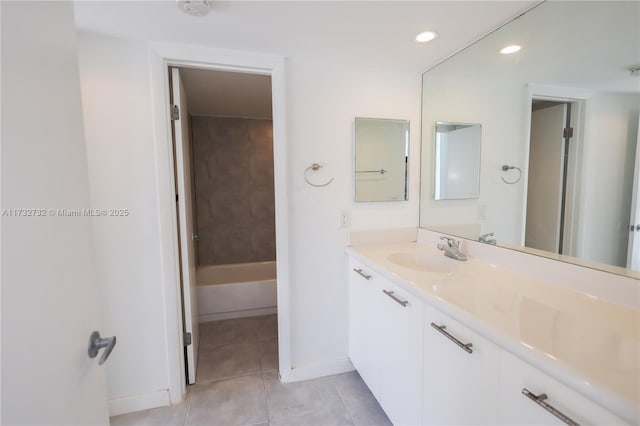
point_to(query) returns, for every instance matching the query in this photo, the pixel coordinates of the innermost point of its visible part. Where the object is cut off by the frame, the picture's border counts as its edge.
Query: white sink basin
(426, 262)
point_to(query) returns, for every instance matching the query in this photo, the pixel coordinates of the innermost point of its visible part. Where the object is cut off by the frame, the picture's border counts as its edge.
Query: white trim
(163, 55)
(337, 366)
(167, 222)
(129, 404)
(237, 314)
(559, 93)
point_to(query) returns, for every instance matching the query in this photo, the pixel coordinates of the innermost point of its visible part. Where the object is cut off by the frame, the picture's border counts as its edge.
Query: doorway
(222, 128)
(552, 185)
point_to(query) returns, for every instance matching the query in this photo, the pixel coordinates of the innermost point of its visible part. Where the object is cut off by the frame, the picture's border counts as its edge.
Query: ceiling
(361, 33)
(227, 94)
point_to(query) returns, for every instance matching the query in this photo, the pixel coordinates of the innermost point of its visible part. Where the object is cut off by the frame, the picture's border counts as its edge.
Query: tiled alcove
(233, 173)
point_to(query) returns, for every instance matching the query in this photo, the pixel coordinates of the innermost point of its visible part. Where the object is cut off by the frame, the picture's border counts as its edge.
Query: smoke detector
(194, 7)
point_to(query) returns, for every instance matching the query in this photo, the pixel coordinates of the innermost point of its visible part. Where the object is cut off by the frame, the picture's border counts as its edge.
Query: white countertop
(588, 343)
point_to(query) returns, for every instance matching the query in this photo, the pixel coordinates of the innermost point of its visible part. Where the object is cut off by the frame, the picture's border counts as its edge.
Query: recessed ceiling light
(510, 49)
(426, 36)
(194, 7)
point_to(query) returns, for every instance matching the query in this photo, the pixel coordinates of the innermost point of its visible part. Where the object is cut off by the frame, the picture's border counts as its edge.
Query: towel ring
(315, 167)
(507, 168)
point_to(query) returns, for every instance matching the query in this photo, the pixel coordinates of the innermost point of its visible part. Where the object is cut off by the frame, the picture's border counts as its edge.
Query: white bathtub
(234, 291)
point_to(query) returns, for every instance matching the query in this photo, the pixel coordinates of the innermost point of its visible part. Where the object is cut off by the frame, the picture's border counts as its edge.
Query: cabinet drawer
(517, 409)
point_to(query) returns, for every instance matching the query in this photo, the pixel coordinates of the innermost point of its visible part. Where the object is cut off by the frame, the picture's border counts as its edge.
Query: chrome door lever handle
(96, 343)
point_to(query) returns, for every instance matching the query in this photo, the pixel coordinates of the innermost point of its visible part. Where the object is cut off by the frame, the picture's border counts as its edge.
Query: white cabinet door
(385, 342)
(364, 318)
(460, 382)
(517, 409)
(401, 353)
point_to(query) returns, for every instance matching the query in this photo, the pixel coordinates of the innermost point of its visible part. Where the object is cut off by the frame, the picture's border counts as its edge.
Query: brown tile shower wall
(233, 173)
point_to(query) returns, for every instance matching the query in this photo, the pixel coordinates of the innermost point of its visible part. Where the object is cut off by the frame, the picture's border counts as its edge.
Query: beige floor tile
(266, 327)
(268, 350)
(310, 402)
(360, 402)
(237, 401)
(228, 361)
(173, 415)
(218, 333)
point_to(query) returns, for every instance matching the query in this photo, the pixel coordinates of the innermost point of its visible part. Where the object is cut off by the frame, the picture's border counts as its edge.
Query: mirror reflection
(560, 130)
(457, 156)
(381, 153)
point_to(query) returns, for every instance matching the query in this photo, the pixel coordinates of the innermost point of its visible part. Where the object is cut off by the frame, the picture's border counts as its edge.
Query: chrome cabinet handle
(540, 400)
(362, 273)
(389, 293)
(96, 343)
(441, 328)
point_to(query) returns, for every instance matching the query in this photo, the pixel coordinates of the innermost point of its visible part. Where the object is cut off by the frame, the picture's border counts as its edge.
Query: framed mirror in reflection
(457, 161)
(381, 155)
(563, 113)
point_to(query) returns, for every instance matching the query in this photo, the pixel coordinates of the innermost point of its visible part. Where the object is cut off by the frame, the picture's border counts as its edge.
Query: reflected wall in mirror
(576, 199)
(381, 155)
(457, 161)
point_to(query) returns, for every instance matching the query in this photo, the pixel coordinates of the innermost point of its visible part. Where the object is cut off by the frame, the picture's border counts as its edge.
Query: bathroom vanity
(502, 338)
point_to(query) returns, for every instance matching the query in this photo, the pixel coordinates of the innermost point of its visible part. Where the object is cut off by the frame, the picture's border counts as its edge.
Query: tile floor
(237, 384)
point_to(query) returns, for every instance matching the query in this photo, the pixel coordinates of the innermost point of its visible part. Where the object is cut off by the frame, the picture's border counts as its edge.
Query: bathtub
(234, 291)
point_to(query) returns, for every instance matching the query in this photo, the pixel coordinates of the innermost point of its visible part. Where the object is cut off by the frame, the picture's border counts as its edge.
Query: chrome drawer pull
(396, 298)
(441, 329)
(540, 400)
(362, 273)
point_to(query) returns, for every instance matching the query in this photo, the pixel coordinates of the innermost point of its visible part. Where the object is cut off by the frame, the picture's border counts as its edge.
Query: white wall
(322, 101)
(120, 150)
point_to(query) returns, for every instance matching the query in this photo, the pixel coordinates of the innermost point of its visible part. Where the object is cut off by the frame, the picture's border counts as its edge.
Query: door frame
(161, 57)
(578, 98)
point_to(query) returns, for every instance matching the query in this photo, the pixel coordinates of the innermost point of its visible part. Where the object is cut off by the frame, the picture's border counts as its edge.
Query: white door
(49, 295)
(184, 189)
(544, 193)
(633, 251)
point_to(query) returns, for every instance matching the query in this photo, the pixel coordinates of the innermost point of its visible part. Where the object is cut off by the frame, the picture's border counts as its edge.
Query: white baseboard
(129, 404)
(237, 314)
(341, 365)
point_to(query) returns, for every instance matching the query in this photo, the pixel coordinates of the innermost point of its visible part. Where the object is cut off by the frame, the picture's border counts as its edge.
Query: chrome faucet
(485, 239)
(451, 249)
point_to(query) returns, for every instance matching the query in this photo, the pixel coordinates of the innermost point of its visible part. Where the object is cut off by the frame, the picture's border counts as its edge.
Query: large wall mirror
(560, 123)
(381, 155)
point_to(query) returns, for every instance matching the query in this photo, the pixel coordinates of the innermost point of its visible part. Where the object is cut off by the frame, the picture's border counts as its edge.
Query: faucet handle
(485, 239)
(450, 242)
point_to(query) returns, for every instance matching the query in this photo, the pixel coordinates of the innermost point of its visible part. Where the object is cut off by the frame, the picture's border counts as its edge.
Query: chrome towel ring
(506, 168)
(315, 167)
